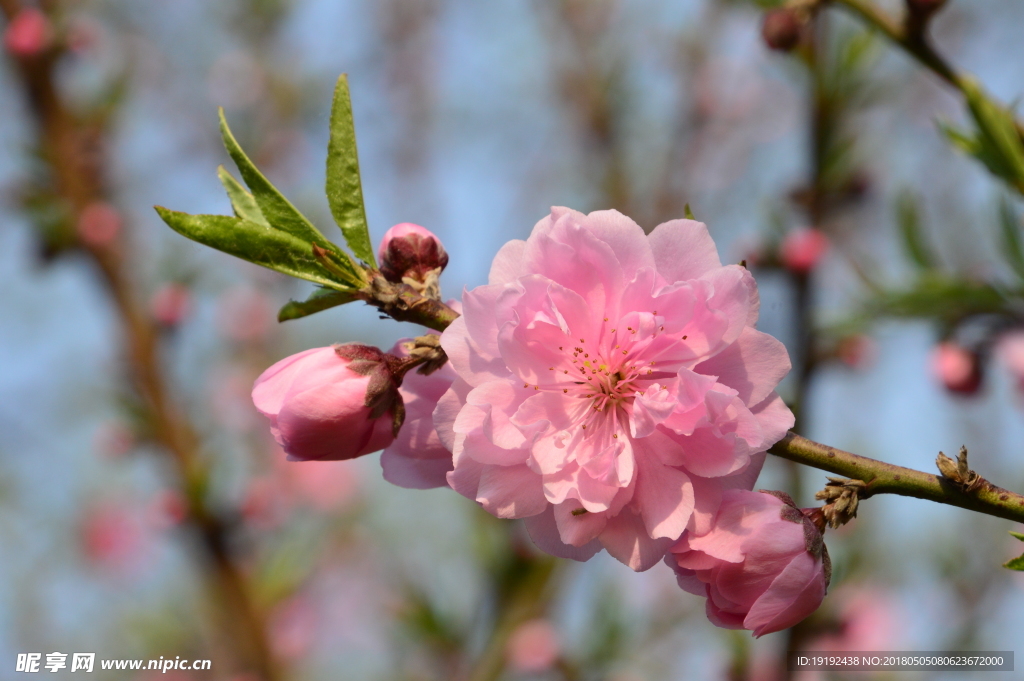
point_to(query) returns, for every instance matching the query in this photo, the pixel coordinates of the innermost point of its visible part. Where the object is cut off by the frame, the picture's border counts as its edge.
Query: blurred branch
(68, 146)
(915, 43)
(887, 478)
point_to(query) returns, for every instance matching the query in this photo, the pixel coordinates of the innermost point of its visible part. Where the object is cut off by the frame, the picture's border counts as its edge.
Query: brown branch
(887, 478)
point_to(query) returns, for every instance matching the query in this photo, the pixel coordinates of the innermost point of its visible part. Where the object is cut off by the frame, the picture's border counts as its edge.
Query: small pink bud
(98, 224)
(408, 250)
(782, 29)
(957, 368)
(28, 34)
(762, 565)
(169, 509)
(113, 537)
(331, 403)
(533, 647)
(170, 304)
(1010, 350)
(857, 351)
(802, 249)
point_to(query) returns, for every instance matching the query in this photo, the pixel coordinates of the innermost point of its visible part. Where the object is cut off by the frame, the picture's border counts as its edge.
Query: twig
(886, 478)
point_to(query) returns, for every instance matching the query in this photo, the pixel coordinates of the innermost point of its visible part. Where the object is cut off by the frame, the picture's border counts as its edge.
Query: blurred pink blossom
(802, 249)
(168, 509)
(29, 33)
(245, 314)
(762, 566)
(956, 367)
(533, 647)
(1010, 351)
(293, 625)
(170, 304)
(324, 487)
(99, 223)
(114, 439)
(610, 385)
(857, 351)
(114, 537)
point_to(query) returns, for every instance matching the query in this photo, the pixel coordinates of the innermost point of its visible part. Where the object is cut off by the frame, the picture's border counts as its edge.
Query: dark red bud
(412, 251)
(782, 29)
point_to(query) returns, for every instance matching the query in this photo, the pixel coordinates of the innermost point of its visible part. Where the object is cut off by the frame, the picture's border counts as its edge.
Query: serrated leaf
(272, 248)
(319, 300)
(687, 213)
(344, 187)
(242, 201)
(1010, 245)
(278, 211)
(1015, 564)
(909, 222)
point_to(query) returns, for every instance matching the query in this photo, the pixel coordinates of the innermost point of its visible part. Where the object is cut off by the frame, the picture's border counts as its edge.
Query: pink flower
(98, 225)
(417, 459)
(1010, 350)
(408, 250)
(802, 249)
(318, 405)
(610, 385)
(762, 566)
(533, 647)
(170, 304)
(957, 368)
(28, 34)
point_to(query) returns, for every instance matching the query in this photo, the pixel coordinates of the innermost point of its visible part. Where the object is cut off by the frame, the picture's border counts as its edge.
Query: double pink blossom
(611, 385)
(762, 565)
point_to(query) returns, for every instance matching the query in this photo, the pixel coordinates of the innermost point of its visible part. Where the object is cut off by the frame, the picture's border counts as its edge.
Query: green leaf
(1011, 246)
(997, 142)
(910, 230)
(1018, 535)
(344, 187)
(1015, 564)
(278, 211)
(242, 202)
(319, 300)
(687, 213)
(266, 246)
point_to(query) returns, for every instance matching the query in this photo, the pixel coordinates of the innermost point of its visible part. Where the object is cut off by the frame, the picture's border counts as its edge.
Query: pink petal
(543, 530)
(753, 365)
(273, 384)
(471, 341)
(683, 250)
(511, 491)
(508, 262)
(664, 497)
(415, 473)
(626, 239)
(792, 596)
(775, 419)
(578, 529)
(626, 539)
(447, 411)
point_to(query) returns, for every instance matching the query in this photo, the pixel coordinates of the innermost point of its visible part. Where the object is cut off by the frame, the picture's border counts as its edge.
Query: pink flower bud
(533, 647)
(802, 249)
(28, 34)
(781, 29)
(857, 351)
(98, 224)
(762, 566)
(957, 368)
(330, 403)
(408, 250)
(170, 304)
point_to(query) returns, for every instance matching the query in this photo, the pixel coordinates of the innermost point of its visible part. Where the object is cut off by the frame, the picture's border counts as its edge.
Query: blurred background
(144, 509)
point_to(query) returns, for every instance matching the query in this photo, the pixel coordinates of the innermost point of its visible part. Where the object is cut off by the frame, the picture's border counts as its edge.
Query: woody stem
(887, 478)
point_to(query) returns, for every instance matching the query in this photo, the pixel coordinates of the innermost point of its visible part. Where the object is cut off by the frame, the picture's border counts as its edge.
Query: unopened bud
(782, 29)
(409, 251)
(28, 34)
(957, 368)
(802, 249)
